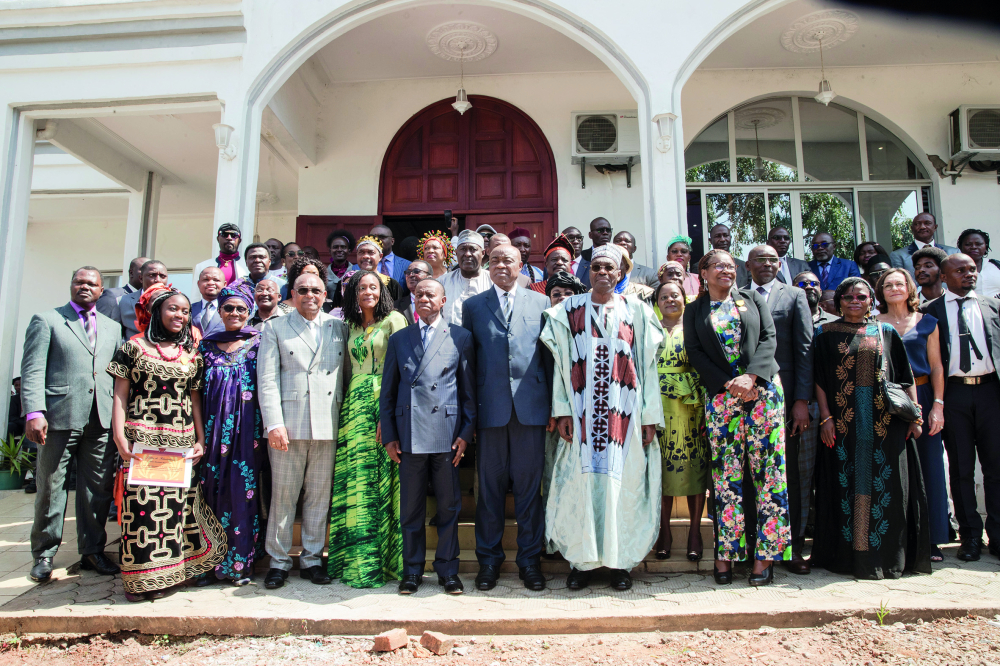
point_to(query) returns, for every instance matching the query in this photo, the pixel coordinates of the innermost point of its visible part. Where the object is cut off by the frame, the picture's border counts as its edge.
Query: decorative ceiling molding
(761, 116)
(833, 26)
(461, 40)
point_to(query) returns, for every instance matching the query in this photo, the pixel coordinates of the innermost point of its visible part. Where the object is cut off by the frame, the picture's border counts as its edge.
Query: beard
(812, 298)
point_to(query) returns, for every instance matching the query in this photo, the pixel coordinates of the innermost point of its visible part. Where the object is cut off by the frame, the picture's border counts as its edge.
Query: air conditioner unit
(605, 137)
(975, 132)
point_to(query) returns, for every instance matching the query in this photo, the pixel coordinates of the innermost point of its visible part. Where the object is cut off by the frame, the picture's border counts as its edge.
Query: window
(707, 158)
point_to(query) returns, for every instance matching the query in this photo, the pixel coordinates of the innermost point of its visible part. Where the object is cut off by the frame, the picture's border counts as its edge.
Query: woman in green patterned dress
(684, 447)
(366, 544)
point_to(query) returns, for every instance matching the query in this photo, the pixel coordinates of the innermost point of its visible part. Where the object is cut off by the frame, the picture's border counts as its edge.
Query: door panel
(541, 225)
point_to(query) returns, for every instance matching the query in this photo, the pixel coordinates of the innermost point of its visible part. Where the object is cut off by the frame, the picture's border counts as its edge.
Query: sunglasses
(306, 291)
(300, 253)
(414, 271)
(808, 283)
(767, 260)
(855, 298)
(240, 309)
(229, 234)
(821, 246)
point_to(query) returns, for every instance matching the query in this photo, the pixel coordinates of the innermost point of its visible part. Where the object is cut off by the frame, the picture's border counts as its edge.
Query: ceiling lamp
(758, 163)
(462, 103)
(826, 94)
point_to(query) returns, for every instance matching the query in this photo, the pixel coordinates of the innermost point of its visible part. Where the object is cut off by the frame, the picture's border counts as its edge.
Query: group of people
(594, 389)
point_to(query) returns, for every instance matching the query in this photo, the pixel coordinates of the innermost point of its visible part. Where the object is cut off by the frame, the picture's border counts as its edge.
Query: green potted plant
(15, 461)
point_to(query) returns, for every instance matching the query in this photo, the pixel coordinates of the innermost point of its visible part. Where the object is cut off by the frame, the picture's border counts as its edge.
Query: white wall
(358, 120)
(915, 101)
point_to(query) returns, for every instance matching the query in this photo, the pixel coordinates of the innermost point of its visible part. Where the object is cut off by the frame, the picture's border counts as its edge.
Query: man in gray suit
(513, 373)
(66, 396)
(152, 272)
(923, 227)
(427, 409)
(794, 331)
(780, 239)
(107, 304)
(640, 274)
(301, 370)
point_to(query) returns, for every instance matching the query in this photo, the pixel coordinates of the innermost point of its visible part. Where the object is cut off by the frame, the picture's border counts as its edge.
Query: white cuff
(276, 425)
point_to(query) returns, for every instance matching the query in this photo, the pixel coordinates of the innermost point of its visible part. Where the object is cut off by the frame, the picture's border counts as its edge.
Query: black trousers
(414, 472)
(95, 457)
(511, 455)
(970, 429)
(794, 482)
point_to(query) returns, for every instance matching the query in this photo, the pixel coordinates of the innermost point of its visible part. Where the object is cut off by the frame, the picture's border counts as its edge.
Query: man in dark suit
(66, 397)
(107, 304)
(600, 234)
(923, 227)
(793, 328)
(640, 274)
(414, 273)
(831, 269)
(513, 371)
(721, 238)
(780, 239)
(579, 266)
(427, 409)
(391, 265)
(969, 334)
(152, 272)
(205, 313)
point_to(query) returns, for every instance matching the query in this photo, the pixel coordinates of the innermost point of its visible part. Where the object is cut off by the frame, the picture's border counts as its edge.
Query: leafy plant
(14, 457)
(882, 612)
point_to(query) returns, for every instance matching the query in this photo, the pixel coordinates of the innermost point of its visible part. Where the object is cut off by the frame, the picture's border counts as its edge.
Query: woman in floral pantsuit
(731, 343)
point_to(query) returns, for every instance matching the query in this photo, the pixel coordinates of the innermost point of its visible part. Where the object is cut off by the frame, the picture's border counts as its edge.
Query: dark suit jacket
(583, 271)
(990, 307)
(757, 341)
(404, 307)
(215, 323)
(795, 266)
(428, 398)
(513, 368)
(840, 270)
(644, 275)
(793, 329)
(107, 304)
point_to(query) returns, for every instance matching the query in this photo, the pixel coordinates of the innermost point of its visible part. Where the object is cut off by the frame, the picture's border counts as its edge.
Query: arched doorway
(491, 165)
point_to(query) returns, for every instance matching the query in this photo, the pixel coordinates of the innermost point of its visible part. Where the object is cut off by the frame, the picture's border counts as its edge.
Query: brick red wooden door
(492, 164)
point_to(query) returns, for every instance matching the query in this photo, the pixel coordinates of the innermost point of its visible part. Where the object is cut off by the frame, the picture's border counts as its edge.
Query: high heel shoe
(663, 554)
(694, 552)
(764, 578)
(723, 577)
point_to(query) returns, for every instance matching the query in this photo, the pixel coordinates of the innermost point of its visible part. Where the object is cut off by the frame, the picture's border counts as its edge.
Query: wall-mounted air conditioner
(605, 137)
(975, 132)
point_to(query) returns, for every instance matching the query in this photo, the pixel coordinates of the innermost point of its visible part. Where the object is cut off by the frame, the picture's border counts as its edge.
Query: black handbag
(897, 401)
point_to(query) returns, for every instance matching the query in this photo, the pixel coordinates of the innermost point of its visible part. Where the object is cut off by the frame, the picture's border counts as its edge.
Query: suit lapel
(518, 306)
(301, 329)
(325, 332)
(706, 319)
(494, 302)
(989, 322)
(75, 325)
(436, 341)
(911, 248)
(415, 344)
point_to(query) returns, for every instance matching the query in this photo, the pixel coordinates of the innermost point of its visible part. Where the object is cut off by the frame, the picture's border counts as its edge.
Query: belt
(981, 379)
(921, 380)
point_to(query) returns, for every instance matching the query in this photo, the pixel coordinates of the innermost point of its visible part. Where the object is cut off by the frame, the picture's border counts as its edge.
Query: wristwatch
(939, 401)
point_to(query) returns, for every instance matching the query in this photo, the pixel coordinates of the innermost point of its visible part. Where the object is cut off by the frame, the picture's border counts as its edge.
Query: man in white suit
(301, 370)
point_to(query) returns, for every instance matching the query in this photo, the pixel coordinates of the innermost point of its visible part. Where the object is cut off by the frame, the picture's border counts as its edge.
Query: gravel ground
(970, 641)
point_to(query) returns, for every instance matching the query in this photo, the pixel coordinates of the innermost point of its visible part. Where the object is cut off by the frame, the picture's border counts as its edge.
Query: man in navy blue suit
(831, 269)
(427, 408)
(391, 265)
(513, 371)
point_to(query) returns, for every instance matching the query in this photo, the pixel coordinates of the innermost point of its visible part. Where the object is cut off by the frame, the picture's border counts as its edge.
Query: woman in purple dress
(235, 446)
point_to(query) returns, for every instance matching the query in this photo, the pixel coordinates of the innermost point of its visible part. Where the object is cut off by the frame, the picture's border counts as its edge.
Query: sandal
(936, 554)
(135, 597)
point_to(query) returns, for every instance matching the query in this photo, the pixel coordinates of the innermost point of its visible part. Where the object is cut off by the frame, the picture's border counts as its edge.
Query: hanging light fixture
(462, 103)
(826, 93)
(758, 164)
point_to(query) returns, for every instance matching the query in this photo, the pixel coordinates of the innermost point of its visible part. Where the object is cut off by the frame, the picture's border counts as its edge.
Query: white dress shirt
(431, 330)
(989, 280)
(783, 269)
(765, 287)
(313, 327)
(501, 292)
(208, 310)
(974, 316)
(573, 265)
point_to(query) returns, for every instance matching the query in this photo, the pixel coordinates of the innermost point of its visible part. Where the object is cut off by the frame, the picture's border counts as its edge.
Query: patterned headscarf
(142, 315)
(560, 243)
(449, 251)
(241, 290)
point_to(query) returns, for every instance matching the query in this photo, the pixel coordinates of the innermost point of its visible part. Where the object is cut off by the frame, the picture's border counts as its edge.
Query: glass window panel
(889, 214)
(183, 281)
(764, 129)
(888, 157)
(832, 212)
(831, 149)
(744, 215)
(707, 158)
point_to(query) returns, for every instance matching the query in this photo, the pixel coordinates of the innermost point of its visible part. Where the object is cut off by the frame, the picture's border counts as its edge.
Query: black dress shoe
(100, 563)
(766, 577)
(970, 550)
(410, 583)
(487, 578)
(994, 551)
(451, 584)
(30, 487)
(204, 580)
(621, 580)
(723, 577)
(317, 575)
(533, 578)
(42, 570)
(578, 580)
(275, 578)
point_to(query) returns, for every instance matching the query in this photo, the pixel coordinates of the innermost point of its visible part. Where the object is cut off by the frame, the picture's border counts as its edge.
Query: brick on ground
(437, 642)
(390, 640)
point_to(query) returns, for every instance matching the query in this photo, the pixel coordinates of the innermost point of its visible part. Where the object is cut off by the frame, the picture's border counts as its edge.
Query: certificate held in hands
(160, 467)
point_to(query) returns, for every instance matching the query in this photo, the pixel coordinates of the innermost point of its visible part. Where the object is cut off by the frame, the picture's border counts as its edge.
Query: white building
(341, 115)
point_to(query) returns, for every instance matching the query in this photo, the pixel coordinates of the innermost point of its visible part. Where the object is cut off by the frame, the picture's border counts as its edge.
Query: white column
(140, 227)
(16, 163)
(236, 180)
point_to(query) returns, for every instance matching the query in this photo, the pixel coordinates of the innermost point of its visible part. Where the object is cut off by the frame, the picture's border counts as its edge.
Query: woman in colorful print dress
(169, 534)
(730, 342)
(871, 507)
(684, 448)
(366, 544)
(236, 454)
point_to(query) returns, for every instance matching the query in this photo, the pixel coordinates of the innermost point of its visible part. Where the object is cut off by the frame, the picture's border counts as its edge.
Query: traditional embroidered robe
(603, 503)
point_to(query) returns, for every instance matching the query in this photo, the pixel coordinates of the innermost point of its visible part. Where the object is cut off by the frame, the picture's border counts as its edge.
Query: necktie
(206, 316)
(423, 336)
(506, 306)
(824, 271)
(88, 326)
(966, 343)
(762, 292)
(382, 269)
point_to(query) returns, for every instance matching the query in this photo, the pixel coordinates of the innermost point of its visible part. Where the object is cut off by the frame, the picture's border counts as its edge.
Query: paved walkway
(85, 602)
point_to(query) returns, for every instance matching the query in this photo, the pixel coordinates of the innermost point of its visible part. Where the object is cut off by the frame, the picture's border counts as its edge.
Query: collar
(501, 292)
(91, 310)
(950, 296)
(205, 303)
(767, 287)
(435, 325)
(923, 245)
(129, 288)
(223, 258)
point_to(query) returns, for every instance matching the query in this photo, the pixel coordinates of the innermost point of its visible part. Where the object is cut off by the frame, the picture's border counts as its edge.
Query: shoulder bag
(897, 401)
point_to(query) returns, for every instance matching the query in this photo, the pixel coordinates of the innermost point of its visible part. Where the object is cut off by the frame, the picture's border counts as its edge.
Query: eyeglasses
(808, 283)
(292, 253)
(603, 268)
(855, 298)
(781, 239)
(574, 237)
(821, 246)
(229, 234)
(306, 291)
(723, 268)
(239, 309)
(415, 271)
(767, 260)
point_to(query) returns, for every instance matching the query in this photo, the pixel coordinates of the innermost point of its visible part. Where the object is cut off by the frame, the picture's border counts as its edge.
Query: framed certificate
(160, 467)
